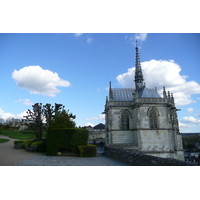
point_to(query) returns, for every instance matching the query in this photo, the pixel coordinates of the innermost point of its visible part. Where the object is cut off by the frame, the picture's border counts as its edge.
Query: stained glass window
(153, 118)
(124, 120)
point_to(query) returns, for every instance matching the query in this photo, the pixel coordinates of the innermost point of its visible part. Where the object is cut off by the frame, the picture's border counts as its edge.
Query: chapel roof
(149, 93)
(122, 94)
(126, 94)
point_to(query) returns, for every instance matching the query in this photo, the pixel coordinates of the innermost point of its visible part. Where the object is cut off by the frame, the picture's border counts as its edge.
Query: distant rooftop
(99, 126)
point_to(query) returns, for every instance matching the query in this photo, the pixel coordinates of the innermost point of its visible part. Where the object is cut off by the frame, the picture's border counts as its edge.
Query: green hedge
(87, 151)
(68, 139)
(26, 143)
(18, 141)
(41, 146)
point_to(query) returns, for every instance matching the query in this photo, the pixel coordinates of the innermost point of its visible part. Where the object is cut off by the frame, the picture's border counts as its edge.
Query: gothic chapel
(140, 119)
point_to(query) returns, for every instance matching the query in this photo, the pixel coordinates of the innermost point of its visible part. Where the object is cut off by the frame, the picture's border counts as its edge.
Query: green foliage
(18, 141)
(79, 138)
(26, 143)
(36, 143)
(41, 146)
(63, 120)
(87, 151)
(67, 139)
(3, 140)
(189, 141)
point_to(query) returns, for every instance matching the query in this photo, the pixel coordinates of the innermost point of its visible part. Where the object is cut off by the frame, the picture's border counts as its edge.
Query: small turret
(110, 93)
(164, 93)
(172, 98)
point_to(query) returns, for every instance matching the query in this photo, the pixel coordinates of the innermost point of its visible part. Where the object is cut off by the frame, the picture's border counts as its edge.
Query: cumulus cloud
(190, 120)
(89, 124)
(141, 36)
(159, 73)
(100, 117)
(78, 34)
(138, 36)
(182, 125)
(89, 40)
(39, 81)
(4, 115)
(24, 101)
(190, 110)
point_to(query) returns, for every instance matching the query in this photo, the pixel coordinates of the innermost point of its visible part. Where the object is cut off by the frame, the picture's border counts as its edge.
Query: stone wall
(138, 159)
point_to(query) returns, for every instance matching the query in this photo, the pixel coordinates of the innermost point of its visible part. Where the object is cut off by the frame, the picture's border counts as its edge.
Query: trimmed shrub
(18, 141)
(36, 143)
(26, 143)
(67, 139)
(87, 151)
(79, 137)
(41, 146)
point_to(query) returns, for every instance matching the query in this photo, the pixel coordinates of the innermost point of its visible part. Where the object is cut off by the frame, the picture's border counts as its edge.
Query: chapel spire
(139, 80)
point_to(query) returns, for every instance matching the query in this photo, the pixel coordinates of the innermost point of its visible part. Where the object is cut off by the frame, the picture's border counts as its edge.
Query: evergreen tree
(63, 119)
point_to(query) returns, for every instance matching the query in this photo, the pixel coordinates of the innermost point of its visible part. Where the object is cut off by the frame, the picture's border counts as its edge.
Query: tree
(48, 115)
(34, 119)
(63, 119)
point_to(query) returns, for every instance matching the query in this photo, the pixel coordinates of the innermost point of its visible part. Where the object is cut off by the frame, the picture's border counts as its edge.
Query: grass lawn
(18, 135)
(3, 140)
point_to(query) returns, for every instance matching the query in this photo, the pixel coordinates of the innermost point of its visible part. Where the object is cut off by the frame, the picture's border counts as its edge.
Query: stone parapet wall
(138, 159)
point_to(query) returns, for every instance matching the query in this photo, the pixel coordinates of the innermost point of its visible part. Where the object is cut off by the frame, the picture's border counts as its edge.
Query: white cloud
(159, 73)
(198, 115)
(39, 81)
(78, 34)
(182, 125)
(190, 120)
(24, 101)
(5, 115)
(89, 40)
(89, 124)
(21, 115)
(190, 110)
(141, 36)
(100, 117)
(138, 36)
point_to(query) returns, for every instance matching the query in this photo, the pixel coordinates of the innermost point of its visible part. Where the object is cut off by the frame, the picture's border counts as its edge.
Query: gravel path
(10, 156)
(20, 157)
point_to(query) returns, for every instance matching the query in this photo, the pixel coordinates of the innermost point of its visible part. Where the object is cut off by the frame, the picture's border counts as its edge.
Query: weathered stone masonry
(141, 117)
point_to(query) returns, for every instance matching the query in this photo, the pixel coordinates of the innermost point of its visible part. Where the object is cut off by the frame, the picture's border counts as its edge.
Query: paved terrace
(20, 157)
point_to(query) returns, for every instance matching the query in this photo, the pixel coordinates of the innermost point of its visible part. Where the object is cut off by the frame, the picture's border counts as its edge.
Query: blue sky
(75, 70)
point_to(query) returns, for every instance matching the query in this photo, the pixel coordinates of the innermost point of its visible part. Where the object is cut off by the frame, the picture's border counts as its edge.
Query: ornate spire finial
(136, 42)
(139, 81)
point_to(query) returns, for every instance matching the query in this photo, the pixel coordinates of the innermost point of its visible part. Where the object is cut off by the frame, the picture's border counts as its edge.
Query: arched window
(125, 120)
(153, 118)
